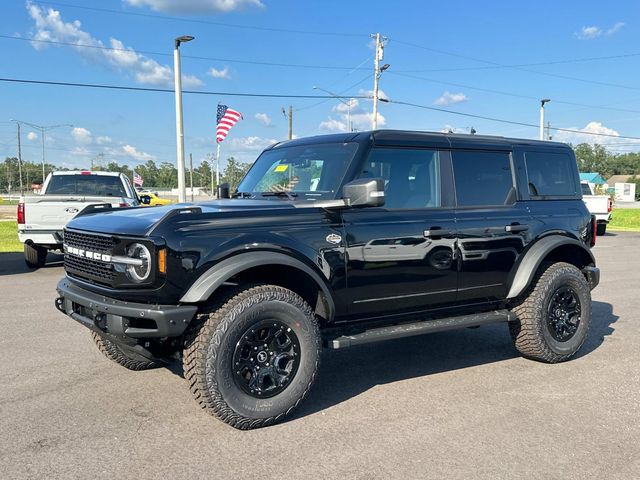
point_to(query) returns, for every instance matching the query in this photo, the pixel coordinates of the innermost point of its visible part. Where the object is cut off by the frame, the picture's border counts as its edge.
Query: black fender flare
(527, 268)
(215, 276)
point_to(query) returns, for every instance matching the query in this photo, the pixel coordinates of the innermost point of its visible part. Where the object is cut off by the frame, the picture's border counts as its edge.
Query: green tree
(234, 172)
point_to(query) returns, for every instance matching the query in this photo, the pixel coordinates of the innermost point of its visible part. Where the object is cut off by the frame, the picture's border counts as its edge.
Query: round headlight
(140, 270)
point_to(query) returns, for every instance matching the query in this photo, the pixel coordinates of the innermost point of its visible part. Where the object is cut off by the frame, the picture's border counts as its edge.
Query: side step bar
(418, 328)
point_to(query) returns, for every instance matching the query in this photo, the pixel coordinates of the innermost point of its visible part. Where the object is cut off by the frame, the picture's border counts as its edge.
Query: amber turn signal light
(162, 260)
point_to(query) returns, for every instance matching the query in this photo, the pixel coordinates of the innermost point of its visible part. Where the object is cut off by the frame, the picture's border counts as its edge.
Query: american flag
(137, 179)
(225, 119)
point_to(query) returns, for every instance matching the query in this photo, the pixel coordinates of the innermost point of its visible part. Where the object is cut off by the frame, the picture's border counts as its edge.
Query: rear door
(493, 227)
(400, 257)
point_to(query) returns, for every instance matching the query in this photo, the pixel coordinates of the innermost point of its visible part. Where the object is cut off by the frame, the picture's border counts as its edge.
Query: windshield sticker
(281, 168)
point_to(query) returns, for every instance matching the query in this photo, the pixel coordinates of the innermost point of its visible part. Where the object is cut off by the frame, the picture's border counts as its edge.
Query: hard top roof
(417, 138)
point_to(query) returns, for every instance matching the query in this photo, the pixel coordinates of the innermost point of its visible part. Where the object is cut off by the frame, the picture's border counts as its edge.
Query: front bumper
(592, 275)
(119, 318)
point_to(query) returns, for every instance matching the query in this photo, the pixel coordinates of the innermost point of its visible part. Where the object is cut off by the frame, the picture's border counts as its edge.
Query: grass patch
(625, 219)
(9, 237)
(8, 202)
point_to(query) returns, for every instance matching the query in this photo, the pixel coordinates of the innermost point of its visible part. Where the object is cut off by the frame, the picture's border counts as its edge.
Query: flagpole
(218, 172)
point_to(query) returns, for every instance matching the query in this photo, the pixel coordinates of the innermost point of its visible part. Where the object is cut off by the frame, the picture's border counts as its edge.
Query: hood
(138, 221)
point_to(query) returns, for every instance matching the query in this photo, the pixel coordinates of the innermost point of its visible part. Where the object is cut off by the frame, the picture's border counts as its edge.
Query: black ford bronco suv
(338, 240)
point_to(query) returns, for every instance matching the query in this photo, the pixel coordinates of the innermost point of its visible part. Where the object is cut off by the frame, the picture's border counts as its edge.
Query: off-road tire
(530, 332)
(601, 229)
(116, 354)
(209, 351)
(34, 255)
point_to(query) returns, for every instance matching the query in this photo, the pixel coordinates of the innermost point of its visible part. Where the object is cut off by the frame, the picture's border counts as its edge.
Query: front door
(400, 257)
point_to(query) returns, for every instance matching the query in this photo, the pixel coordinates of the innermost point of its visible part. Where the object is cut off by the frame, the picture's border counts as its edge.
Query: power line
(192, 57)
(512, 122)
(204, 22)
(510, 94)
(169, 90)
(514, 67)
(266, 95)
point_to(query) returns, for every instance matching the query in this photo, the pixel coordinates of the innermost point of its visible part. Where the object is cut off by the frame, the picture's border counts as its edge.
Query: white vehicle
(598, 205)
(42, 217)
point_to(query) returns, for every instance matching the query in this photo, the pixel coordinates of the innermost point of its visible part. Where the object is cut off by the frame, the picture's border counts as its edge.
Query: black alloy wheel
(563, 314)
(266, 359)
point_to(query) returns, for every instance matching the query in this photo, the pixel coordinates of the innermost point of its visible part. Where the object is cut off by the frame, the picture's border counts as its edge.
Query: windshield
(309, 172)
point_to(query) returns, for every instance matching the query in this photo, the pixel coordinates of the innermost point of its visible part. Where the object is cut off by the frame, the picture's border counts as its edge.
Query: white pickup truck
(41, 218)
(598, 205)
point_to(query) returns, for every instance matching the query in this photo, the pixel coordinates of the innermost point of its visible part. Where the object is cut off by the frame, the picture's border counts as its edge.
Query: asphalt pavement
(455, 405)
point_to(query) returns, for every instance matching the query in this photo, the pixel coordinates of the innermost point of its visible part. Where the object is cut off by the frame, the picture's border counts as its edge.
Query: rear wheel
(601, 229)
(553, 320)
(253, 358)
(35, 256)
(116, 354)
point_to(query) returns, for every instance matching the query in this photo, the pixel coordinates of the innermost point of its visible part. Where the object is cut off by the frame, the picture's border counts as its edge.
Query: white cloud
(82, 135)
(263, 118)
(251, 144)
(49, 25)
(134, 153)
(369, 94)
(194, 6)
(615, 28)
(224, 73)
(593, 31)
(344, 107)
(333, 125)
(586, 135)
(32, 136)
(104, 140)
(448, 98)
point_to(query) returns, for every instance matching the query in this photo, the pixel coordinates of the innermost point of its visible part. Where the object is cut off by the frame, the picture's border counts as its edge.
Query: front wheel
(253, 358)
(553, 320)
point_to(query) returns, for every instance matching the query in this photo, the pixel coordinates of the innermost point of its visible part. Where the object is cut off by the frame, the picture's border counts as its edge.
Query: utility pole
(191, 174)
(377, 71)
(20, 160)
(542, 102)
(290, 118)
(548, 136)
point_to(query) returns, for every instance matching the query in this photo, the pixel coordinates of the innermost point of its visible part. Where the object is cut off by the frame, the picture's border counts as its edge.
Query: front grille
(89, 268)
(87, 241)
(84, 267)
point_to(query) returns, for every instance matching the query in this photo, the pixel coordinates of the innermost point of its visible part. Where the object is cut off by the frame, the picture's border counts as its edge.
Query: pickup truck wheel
(34, 255)
(252, 358)
(116, 354)
(554, 318)
(601, 229)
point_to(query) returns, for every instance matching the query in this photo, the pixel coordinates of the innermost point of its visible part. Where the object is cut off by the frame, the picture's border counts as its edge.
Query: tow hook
(60, 304)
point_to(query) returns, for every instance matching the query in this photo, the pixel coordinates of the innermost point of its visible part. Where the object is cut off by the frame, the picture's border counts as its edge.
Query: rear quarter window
(551, 175)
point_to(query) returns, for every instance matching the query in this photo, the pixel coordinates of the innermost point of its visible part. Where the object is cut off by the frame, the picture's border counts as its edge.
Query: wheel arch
(552, 248)
(268, 267)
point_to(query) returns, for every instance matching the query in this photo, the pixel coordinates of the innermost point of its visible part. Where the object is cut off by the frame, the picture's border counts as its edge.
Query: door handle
(436, 232)
(516, 227)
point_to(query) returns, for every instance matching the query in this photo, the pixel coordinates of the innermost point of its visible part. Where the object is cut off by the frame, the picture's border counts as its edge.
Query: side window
(551, 174)
(483, 178)
(412, 176)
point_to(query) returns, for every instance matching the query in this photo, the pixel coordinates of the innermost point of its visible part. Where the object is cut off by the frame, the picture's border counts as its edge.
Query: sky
(492, 59)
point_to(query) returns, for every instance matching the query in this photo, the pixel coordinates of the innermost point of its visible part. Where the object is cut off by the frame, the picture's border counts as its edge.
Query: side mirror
(145, 199)
(364, 192)
(223, 191)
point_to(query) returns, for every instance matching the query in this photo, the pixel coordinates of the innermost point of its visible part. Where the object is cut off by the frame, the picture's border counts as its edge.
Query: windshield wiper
(242, 195)
(289, 195)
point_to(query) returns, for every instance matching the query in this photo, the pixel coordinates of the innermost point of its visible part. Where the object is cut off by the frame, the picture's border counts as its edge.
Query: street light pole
(179, 128)
(542, 102)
